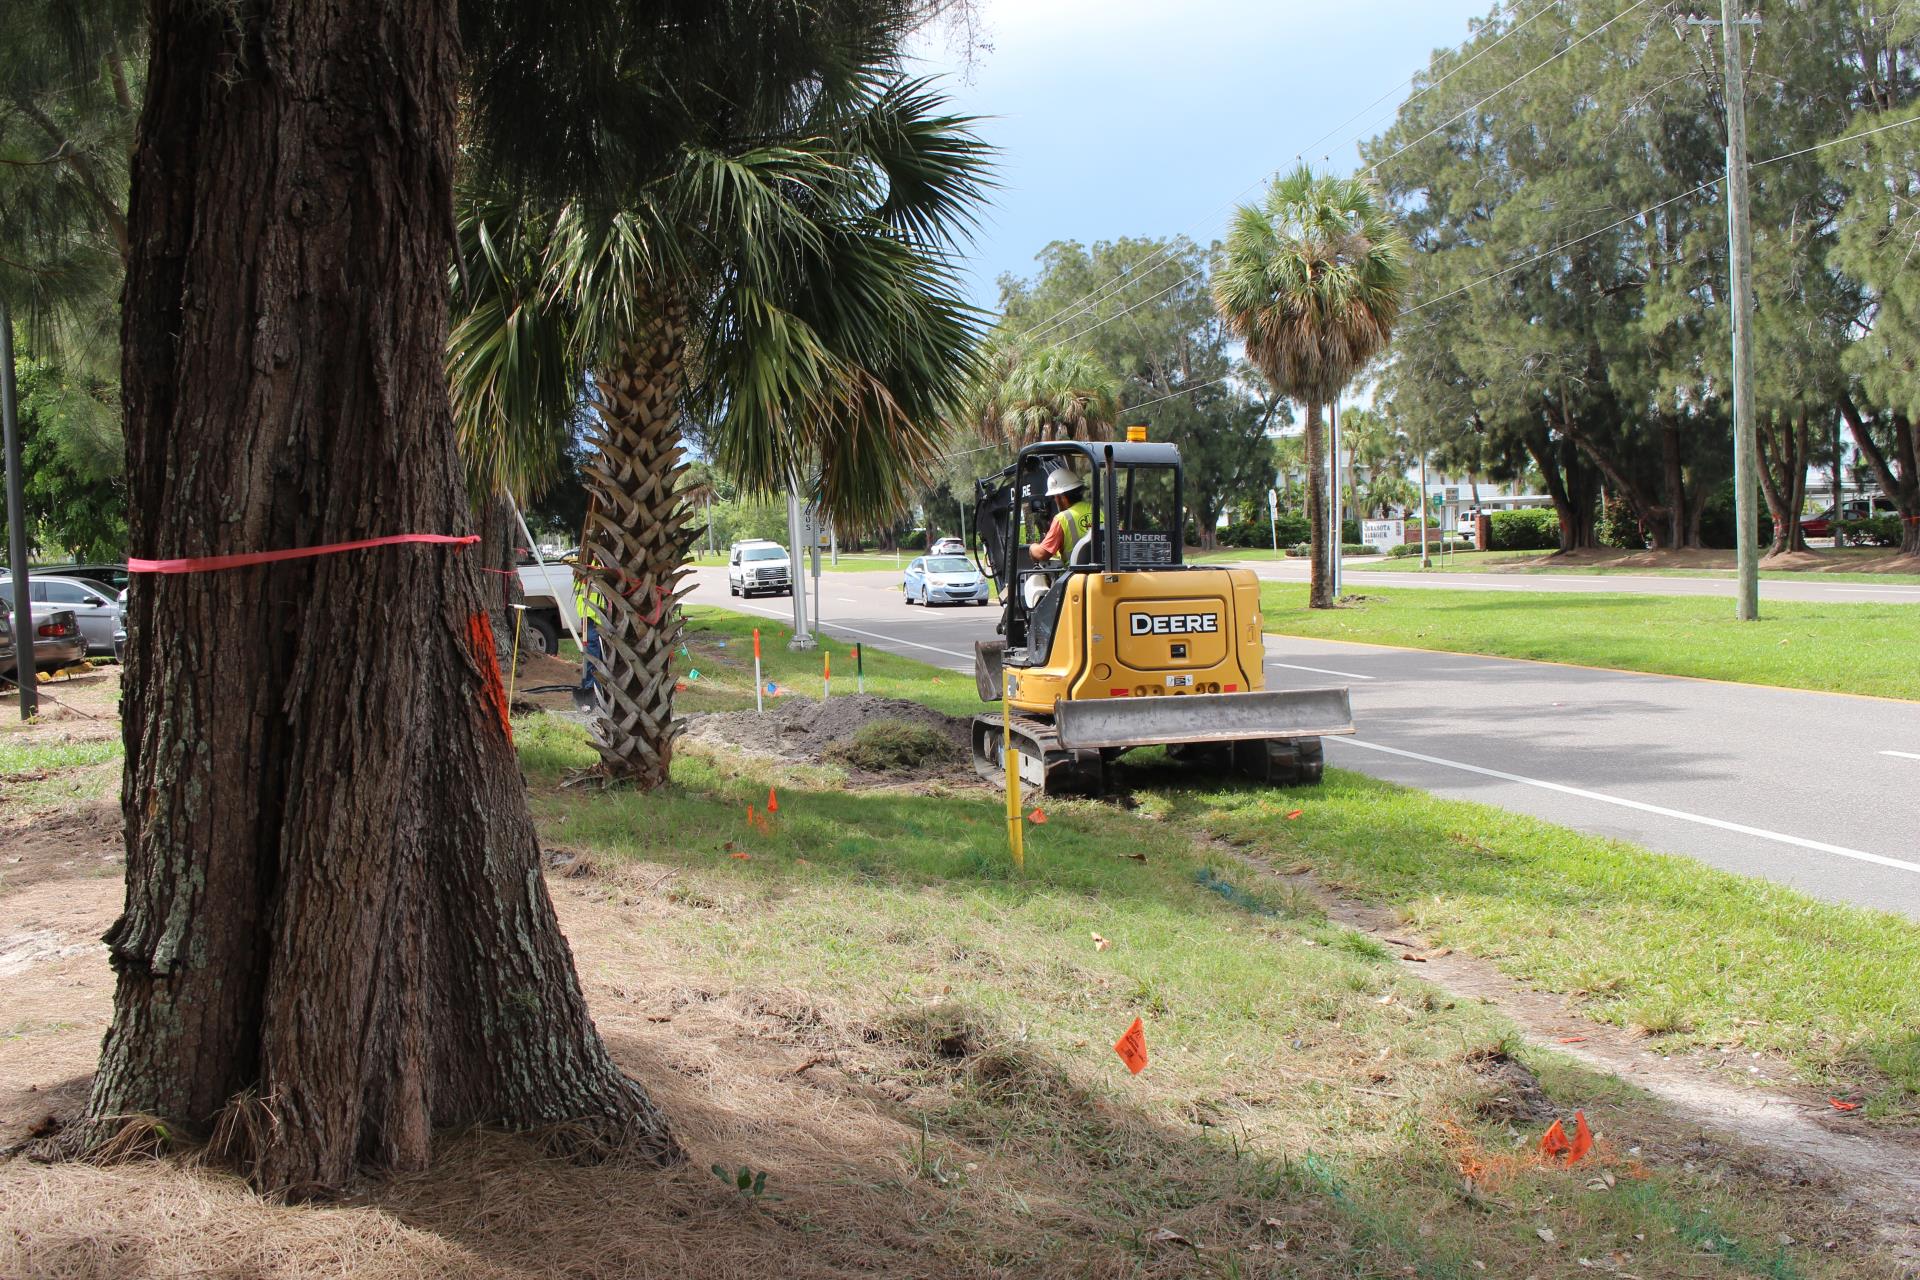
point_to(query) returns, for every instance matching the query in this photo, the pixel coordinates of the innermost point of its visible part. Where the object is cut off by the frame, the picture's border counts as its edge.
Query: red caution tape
(203, 564)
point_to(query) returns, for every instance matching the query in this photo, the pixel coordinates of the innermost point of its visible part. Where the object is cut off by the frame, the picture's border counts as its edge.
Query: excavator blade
(1202, 717)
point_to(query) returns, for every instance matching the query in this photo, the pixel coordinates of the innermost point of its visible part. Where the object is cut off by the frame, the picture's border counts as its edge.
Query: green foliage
(1528, 529)
(1435, 546)
(1874, 531)
(70, 454)
(751, 1184)
(1564, 333)
(1158, 334)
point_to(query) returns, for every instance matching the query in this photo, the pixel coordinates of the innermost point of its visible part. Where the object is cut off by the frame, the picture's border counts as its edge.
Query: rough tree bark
(1781, 450)
(639, 539)
(1320, 589)
(336, 936)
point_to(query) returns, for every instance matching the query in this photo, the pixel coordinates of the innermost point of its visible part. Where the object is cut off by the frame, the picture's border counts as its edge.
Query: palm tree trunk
(639, 536)
(1320, 593)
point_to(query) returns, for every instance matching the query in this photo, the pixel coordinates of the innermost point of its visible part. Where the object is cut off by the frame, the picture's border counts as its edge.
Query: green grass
(1699, 956)
(1525, 562)
(1839, 648)
(1301, 1086)
(1690, 955)
(20, 756)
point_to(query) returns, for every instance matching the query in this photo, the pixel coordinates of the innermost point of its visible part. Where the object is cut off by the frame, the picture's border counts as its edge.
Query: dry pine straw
(798, 1089)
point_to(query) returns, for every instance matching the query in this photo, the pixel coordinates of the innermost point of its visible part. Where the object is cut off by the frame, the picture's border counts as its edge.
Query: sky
(1143, 118)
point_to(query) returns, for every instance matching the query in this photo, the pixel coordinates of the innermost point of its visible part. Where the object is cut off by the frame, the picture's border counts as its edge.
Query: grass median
(1836, 648)
(1693, 957)
(1309, 1107)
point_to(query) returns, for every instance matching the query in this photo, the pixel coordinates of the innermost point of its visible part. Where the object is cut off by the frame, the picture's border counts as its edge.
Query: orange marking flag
(1037, 816)
(1132, 1047)
(1554, 1141)
(773, 803)
(1582, 1138)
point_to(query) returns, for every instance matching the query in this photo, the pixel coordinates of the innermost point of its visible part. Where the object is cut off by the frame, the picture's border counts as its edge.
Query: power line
(1476, 106)
(1121, 279)
(1516, 80)
(1580, 239)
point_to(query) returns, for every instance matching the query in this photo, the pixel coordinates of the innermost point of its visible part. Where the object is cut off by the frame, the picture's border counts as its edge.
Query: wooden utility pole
(1740, 273)
(24, 672)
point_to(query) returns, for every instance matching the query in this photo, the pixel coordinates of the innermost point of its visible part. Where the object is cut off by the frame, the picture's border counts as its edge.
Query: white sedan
(944, 580)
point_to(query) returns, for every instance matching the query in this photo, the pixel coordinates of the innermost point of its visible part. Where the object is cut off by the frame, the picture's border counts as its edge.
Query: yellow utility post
(1015, 835)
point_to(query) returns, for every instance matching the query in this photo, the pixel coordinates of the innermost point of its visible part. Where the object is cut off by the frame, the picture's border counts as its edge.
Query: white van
(758, 566)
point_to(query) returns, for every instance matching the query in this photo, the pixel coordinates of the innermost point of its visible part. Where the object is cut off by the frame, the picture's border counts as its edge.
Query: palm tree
(1023, 396)
(784, 281)
(1311, 280)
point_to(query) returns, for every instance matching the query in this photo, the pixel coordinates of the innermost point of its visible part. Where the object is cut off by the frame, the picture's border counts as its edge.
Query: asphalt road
(1814, 790)
(1811, 588)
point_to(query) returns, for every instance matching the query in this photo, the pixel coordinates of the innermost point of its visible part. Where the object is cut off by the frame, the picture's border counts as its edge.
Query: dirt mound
(830, 732)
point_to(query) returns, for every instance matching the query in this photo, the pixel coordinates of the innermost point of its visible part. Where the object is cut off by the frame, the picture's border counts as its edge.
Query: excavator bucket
(1202, 717)
(988, 668)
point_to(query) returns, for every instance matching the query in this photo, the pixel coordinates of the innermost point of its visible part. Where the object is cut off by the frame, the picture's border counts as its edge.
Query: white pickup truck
(548, 593)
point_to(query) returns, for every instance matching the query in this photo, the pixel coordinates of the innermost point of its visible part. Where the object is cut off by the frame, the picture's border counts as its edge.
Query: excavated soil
(804, 731)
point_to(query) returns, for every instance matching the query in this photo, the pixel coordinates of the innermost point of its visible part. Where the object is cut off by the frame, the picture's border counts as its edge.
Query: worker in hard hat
(1074, 518)
(590, 609)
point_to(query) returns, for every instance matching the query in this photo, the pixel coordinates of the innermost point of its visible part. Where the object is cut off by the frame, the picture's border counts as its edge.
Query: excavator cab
(1119, 643)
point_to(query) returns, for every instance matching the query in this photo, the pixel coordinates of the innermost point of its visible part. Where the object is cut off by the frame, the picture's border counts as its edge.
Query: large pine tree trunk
(639, 539)
(1320, 590)
(336, 936)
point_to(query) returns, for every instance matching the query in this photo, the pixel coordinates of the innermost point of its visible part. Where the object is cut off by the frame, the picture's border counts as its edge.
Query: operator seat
(1045, 615)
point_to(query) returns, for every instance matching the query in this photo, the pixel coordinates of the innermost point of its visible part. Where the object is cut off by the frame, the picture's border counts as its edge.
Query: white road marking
(1660, 810)
(1350, 675)
(964, 657)
(846, 600)
(1904, 755)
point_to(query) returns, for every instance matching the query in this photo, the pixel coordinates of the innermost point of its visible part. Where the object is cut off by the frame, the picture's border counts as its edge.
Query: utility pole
(1426, 507)
(796, 570)
(1333, 482)
(1740, 282)
(23, 668)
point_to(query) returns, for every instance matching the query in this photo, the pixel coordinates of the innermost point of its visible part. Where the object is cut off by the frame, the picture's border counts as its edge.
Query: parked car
(944, 580)
(547, 592)
(57, 641)
(1821, 526)
(112, 576)
(758, 566)
(948, 547)
(92, 604)
(120, 627)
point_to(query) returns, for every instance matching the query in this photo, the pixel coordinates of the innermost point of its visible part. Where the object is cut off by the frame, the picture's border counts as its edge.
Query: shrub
(1300, 549)
(1616, 526)
(1717, 523)
(1528, 529)
(1874, 531)
(1435, 546)
(894, 746)
(1258, 533)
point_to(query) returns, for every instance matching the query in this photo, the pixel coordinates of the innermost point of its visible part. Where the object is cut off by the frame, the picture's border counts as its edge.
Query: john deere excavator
(1124, 644)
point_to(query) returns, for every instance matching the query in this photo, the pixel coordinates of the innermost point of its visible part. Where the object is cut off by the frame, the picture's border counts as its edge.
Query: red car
(1821, 526)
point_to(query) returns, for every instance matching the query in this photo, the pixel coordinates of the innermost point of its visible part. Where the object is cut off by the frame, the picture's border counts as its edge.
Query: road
(1811, 589)
(1813, 790)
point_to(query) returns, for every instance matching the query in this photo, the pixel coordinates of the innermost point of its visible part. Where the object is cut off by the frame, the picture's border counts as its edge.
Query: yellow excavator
(1119, 643)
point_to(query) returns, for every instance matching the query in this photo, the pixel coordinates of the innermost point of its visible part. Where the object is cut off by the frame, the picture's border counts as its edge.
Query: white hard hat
(1063, 481)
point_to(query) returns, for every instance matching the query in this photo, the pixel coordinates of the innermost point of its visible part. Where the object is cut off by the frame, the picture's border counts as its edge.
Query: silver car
(92, 604)
(56, 640)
